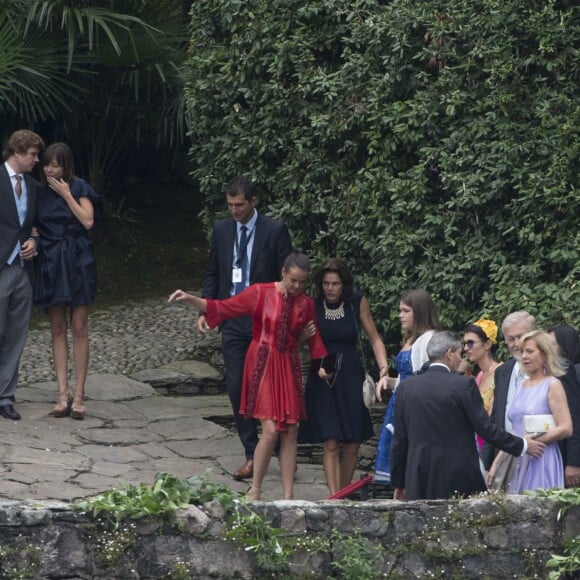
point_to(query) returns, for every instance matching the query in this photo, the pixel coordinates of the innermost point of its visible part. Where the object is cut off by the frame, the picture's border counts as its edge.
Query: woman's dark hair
(338, 267)
(296, 259)
(62, 154)
(424, 313)
(568, 341)
(473, 328)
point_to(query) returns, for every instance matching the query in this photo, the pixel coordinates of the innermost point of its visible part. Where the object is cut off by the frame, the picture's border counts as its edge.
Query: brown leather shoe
(246, 471)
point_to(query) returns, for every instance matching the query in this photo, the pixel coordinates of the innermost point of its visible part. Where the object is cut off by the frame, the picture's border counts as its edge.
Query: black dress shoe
(9, 412)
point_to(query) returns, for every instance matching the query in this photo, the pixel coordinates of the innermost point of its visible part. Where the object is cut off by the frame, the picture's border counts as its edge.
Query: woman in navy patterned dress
(66, 276)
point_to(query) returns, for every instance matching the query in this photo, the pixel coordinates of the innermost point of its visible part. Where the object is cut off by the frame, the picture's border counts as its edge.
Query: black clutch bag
(331, 364)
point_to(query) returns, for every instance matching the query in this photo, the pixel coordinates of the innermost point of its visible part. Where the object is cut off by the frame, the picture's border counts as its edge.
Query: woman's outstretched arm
(195, 301)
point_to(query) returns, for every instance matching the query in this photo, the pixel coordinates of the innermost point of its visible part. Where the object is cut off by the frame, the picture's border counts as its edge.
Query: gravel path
(123, 339)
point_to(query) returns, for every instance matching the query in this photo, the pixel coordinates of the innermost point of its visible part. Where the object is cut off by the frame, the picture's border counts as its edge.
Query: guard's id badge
(236, 275)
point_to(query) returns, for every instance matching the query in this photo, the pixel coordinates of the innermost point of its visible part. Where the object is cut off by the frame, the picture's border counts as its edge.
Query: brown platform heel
(77, 409)
(63, 406)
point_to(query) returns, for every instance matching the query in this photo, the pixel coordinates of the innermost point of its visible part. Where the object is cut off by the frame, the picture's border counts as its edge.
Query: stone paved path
(129, 434)
(125, 339)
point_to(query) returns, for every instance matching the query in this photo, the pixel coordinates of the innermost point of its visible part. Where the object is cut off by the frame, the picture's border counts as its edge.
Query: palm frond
(33, 88)
(87, 23)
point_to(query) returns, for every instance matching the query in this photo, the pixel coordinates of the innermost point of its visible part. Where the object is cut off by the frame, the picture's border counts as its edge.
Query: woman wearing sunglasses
(480, 344)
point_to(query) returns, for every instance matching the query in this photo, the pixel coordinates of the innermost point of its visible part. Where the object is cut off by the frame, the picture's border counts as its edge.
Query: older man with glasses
(509, 376)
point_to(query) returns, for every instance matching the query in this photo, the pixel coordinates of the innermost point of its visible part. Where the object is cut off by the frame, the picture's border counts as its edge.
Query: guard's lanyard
(241, 251)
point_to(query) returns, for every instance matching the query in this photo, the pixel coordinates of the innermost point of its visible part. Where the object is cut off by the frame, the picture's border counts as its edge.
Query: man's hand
(464, 368)
(535, 448)
(399, 494)
(28, 249)
(572, 476)
(202, 325)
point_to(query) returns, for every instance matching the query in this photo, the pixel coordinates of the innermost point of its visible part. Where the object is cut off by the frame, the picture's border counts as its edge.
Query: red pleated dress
(272, 386)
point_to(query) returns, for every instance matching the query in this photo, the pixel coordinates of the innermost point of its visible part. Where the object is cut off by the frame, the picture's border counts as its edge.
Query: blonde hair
(554, 363)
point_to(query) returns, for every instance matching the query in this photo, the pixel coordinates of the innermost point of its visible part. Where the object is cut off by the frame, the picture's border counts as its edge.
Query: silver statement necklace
(333, 313)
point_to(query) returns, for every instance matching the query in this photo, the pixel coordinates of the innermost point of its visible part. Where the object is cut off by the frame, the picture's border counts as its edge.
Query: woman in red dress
(272, 387)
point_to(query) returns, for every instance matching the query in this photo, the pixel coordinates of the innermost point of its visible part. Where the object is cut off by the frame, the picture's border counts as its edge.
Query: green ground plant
(19, 561)
(251, 531)
(567, 564)
(167, 494)
(180, 571)
(112, 543)
(355, 556)
(255, 534)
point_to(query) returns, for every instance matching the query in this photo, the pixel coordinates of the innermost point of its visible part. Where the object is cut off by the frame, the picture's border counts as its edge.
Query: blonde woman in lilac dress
(541, 393)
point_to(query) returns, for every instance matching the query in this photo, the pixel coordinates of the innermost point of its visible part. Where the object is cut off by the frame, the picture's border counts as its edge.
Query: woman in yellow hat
(480, 344)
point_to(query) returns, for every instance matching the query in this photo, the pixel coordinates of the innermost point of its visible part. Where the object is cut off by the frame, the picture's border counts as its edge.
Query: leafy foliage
(168, 493)
(568, 497)
(255, 534)
(430, 144)
(357, 558)
(566, 565)
(269, 545)
(105, 76)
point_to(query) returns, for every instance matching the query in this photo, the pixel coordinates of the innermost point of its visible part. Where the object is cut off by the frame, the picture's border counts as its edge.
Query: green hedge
(430, 144)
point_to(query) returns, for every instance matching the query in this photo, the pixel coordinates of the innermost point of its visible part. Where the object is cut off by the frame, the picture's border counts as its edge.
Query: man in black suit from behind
(17, 248)
(239, 257)
(508, 376)
(437, 414)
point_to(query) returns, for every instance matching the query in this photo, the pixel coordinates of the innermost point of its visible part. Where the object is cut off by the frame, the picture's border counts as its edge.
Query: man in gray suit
(17, 248)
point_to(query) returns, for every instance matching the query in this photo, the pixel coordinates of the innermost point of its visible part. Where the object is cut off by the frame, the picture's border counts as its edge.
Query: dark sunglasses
(469, 343)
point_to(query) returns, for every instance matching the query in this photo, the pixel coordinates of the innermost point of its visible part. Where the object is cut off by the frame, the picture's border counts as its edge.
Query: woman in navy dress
(336, 414)
(66, 276)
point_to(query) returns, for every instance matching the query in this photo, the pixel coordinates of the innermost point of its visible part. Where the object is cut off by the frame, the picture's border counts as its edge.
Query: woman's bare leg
(331, 464)
(288, 451)
(58, 327)
(262, 457)
(80, 334)
(348, 463)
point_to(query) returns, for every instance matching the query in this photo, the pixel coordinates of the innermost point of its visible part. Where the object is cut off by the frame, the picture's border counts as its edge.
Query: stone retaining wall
(490, 537)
